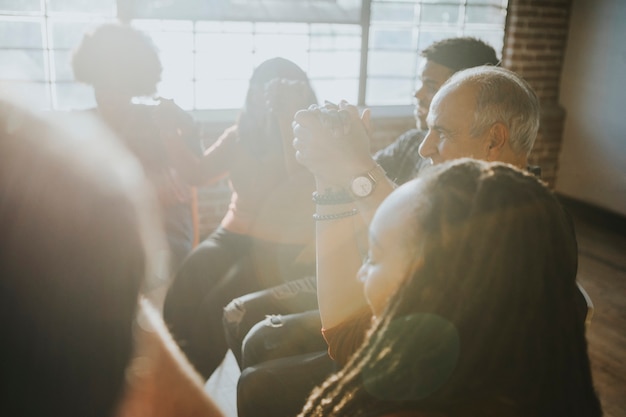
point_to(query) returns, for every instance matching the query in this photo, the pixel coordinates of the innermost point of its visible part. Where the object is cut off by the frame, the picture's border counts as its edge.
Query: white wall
(593, 92)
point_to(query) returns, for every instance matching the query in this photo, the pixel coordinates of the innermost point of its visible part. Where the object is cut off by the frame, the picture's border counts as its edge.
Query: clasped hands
(333, 142)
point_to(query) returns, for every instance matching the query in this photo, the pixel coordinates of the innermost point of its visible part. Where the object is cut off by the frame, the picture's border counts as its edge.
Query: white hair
(502, 96)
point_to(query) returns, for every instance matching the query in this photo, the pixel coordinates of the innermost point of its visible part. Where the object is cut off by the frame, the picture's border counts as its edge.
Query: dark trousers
(280, 388)
(283, 356)
(268, 313)
(224, 266)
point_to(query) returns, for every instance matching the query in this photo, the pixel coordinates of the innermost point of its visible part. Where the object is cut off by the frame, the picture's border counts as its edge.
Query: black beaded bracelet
(335, 216)
(330, 198)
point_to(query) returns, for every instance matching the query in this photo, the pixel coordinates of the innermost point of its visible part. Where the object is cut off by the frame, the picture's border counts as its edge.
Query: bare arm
(175, 124)
(335, 159)
(211, 167)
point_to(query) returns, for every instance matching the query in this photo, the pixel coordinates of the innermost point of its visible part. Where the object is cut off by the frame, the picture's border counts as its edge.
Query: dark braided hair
(487, 324)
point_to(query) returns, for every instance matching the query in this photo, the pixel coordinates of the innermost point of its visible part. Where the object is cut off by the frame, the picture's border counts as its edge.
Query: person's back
(72, 260)
(80, 234)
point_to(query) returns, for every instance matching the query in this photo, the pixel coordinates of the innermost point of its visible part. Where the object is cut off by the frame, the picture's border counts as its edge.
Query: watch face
(362, 186)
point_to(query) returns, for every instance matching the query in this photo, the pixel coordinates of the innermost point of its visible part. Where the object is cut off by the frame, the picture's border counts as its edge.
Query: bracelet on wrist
(335, 216)
(330, 198)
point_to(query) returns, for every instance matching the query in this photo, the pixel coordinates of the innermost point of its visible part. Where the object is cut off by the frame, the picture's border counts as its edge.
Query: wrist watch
(363, 185)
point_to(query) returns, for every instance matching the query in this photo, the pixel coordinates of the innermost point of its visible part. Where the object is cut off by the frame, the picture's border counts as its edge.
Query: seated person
(79, 239)
(505, 132)
(504, 129)
(262, 239)
(471, 299)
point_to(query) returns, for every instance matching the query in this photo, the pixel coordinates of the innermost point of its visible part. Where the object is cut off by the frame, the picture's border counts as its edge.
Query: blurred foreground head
(78, 226)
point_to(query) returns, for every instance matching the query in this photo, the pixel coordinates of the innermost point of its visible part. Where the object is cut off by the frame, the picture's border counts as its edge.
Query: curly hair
(487, 324)
(119, 57)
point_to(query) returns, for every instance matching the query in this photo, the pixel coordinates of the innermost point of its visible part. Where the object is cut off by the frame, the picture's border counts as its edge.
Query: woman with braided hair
(470, 279)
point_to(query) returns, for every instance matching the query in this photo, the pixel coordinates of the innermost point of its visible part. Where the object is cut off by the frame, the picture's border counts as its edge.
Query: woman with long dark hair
(268, 224)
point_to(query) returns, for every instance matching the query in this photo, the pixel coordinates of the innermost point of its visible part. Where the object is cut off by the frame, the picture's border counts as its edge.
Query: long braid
(499, 267)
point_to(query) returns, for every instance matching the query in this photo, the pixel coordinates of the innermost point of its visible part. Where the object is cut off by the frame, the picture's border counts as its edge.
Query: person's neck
(519, 160)
(114, 113)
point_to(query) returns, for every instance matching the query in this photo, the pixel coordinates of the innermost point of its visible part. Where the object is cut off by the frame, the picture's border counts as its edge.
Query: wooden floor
(602, 272)
(222, 386)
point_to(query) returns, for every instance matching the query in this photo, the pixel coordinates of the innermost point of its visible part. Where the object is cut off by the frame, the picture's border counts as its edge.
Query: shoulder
(142, 109)
(409, 139)
(413, 136)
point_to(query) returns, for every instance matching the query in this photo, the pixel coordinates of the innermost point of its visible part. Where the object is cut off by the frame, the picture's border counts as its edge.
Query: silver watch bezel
(356, 186)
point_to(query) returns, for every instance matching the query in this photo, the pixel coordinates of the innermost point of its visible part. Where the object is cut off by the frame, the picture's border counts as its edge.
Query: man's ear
(497, 141)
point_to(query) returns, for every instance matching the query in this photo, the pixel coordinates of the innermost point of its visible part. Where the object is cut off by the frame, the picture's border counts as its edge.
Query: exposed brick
(534, 45)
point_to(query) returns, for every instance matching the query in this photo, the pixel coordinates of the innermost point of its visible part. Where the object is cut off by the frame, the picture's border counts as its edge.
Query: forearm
(367, 206)
(334, 146)
(217, 159)
(339, 257)
(341, 246)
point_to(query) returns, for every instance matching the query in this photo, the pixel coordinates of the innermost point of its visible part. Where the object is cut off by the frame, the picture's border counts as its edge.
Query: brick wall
(534, 47)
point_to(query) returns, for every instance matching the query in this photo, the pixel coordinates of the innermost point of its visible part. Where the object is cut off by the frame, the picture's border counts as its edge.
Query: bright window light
(209, 48)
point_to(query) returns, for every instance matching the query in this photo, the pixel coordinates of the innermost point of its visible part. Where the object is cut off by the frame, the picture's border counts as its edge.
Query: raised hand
(333, 142)
(284, 98)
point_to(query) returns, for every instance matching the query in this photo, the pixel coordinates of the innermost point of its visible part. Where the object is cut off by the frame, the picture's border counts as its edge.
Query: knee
(194, 263)
(250, 387)
(260, 341)
(259, 392)
(232, 318)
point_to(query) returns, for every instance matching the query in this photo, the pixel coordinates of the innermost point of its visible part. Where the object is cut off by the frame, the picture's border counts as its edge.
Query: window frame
(125, 12)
